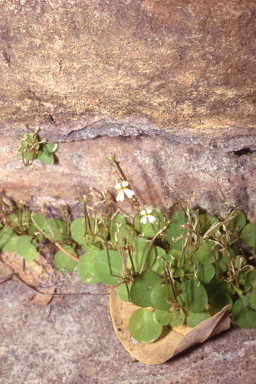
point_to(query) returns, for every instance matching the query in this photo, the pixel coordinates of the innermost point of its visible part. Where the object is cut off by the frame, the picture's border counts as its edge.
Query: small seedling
(31, 149)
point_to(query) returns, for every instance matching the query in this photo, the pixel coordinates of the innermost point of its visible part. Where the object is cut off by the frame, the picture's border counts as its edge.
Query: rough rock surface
(194, 164)
(72, 341)
(178, 63)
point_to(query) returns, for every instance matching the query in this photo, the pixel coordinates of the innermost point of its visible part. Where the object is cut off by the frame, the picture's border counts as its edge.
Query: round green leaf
(160, 253)
(178, 318)
(196, 295)
(174, 230)
(50, 147)
(57, 230)
(248, 234)
(140, 253)
(242, 313)
(77, 230)
(25, 248)
(142, 326)
(63, 262)
(183, 300)
(162, 317)
(29, 146)
(102, 269)
(46, 157)
(194, 319)
(159, 296)
(40, 222)
(118, 227)
(85, 267)
(7, 240)
(149, 230)
(142, 288)
(122, 292)
(204, 254)
(239, 221)
(205, 273)
(220, 300)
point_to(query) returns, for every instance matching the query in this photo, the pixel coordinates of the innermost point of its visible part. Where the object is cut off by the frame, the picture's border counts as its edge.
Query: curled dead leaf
(171, 342)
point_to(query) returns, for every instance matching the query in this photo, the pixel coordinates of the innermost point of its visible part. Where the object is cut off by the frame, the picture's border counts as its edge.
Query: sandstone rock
(189, 163)
(177, 63)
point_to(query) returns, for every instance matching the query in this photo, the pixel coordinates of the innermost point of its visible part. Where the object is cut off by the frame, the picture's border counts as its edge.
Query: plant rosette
(173, 340)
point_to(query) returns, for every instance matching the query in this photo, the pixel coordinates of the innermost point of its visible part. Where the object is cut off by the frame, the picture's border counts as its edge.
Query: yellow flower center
(122, 188)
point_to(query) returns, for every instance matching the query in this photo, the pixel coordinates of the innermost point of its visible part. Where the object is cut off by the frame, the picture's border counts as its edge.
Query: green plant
(31, 148)
(175, 267)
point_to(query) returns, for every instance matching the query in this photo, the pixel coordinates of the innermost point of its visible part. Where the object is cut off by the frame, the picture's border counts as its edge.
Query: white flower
(123, 190)
(146, 216)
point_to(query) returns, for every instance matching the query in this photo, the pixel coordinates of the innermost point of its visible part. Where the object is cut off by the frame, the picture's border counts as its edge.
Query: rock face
(169, 86)
(176, 62)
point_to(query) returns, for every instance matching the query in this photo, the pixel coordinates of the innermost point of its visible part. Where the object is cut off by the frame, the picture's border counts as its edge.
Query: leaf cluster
(172, 270)
(32, 148)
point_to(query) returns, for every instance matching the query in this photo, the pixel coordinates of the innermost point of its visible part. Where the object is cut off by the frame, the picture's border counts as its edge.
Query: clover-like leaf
(178, 318)
(46, 157)
(248, 234)
(122, 292)
(85, 267)
(108, 270)
(205, 273)
(220, 300)
(160, 296)
(162, 317)
(25, 248)
(238, 222)
(142, 326)
(142, 288)
(197, 298)
(63, 262)
(175, 230)
(204, 254)
(243, 315)
(194, 319)
(7, 239)
(142, 254)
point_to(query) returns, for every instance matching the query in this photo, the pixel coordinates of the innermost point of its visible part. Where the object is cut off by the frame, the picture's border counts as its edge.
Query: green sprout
(31, 148)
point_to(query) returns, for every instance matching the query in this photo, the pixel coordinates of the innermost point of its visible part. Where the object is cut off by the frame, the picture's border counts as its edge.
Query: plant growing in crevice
(171, 269)
(32, 148)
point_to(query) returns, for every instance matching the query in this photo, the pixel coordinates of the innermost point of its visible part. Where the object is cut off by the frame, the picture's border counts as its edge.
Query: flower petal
(118, 186)
(120, 196)
(129, 193)
(149, 210)
(143, 220)
(125, 183)
(143, 212)
(151, 219)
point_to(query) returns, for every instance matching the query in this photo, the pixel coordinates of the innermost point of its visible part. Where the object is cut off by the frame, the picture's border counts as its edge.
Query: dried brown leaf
(171, 342)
